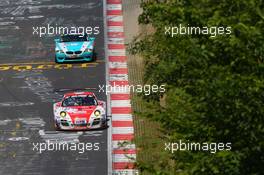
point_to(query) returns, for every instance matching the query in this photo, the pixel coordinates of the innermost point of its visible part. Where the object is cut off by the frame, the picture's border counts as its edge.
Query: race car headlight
(97, 113)
(59, 51)
(88, 50)
(63, 114)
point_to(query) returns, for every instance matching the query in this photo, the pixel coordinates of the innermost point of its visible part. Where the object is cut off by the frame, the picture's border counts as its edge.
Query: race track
(30, 82)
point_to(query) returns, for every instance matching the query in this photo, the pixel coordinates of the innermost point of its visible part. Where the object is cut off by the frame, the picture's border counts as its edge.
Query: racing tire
(94, 56)
(56, 127)
(56, 61)
(104, 126)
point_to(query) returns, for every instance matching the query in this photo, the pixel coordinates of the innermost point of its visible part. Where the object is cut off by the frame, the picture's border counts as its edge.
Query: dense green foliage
(215, 85)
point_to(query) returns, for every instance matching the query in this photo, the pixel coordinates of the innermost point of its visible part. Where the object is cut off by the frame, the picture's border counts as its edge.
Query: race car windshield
(79, 101)
(75, 38)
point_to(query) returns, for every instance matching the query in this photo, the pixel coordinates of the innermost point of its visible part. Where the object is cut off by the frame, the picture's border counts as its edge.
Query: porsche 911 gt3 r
(73, 48)
(79, 111)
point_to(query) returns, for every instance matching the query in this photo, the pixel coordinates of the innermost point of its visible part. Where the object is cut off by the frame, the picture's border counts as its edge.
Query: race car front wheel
(57, 128)
(56, 61)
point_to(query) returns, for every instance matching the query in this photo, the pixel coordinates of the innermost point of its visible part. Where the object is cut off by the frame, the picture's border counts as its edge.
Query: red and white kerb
(123, 150)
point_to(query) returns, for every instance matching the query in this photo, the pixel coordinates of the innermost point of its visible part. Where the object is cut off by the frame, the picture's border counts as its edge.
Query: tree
(215, 85)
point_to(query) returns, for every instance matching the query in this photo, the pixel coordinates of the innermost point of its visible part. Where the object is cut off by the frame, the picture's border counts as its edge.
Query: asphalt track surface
(28, 80)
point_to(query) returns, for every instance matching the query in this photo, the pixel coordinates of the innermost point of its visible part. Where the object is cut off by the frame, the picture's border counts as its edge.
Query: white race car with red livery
(79, 111)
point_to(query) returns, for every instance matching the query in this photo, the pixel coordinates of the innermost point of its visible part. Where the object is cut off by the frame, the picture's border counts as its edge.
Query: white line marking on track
(123, 145)
(116, 52)
(125, 172)
(109, 132)
(115, 29)
(122, 117)
(114, 7)
(116, 18)
(120, 103)
(118, 77)
(60, 137)
(124, 157)
(116, 40)
(118, 64)
(123, 130)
